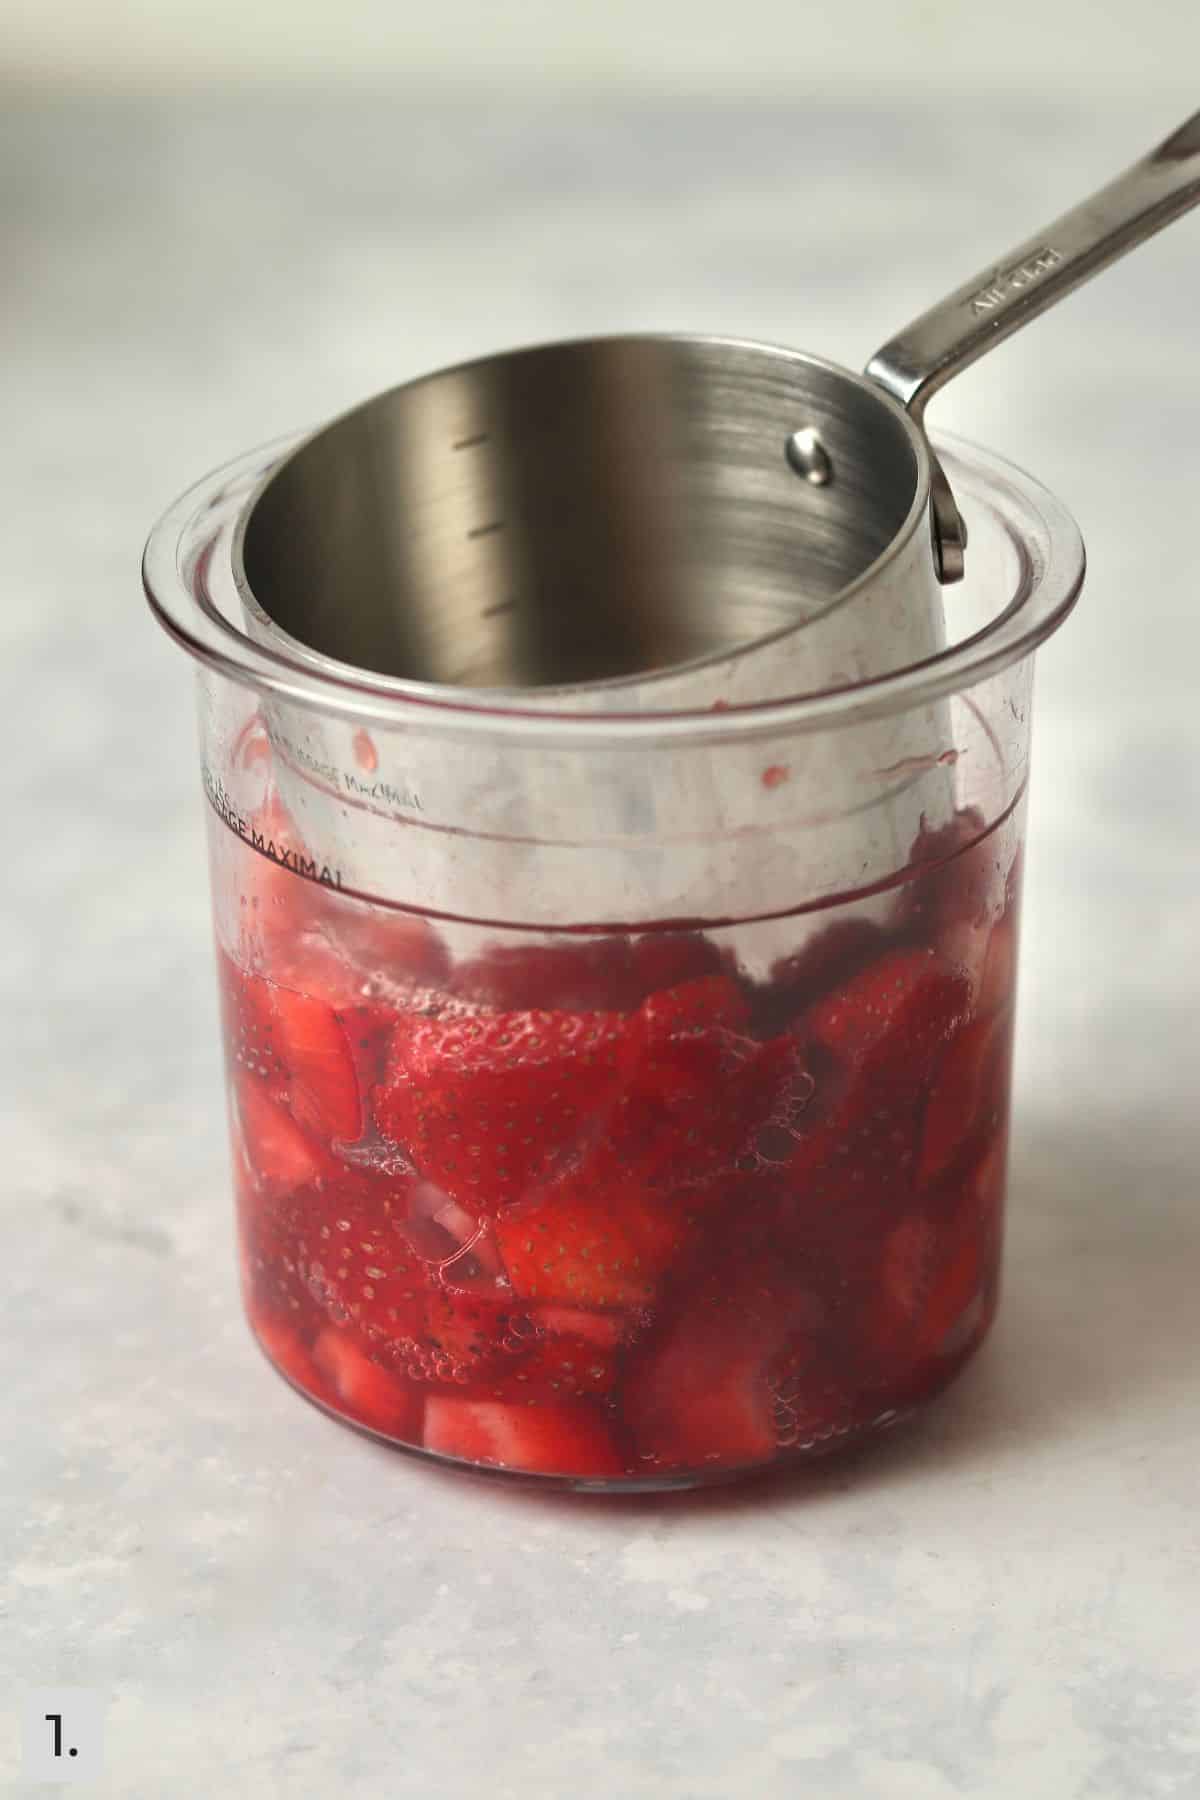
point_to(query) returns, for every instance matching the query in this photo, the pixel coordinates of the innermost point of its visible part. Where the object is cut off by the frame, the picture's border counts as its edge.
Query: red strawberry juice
(623, 1208)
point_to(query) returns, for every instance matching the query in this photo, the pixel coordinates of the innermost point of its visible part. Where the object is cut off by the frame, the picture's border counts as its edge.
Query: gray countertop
(1003, 1599)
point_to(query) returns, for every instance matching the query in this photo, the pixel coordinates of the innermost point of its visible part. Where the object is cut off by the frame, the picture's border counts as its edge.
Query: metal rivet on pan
(809, 457)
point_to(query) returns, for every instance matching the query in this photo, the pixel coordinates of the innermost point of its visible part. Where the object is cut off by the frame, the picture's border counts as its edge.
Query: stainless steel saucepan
(627, 522)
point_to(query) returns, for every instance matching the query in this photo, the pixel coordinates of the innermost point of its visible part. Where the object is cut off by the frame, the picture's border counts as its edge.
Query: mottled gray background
(1001, 1601)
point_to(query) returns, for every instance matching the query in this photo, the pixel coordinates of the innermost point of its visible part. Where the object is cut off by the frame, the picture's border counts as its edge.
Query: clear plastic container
(620, 1101)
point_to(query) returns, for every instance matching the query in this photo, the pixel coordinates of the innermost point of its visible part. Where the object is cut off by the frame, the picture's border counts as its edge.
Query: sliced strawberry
(386, 1306)
(244, 1187)
(988, 1186)
(455, 1245)
(337, 948)
(935, 1267)
(954, 874)
(249, 1026)
(271, 1220)
(851, 1172)
(701, 1402)
(490, 1105)
(368, 1027)
(551, 1369)
(323, 1082)
(353, 1255)
(294, 1044)
(999, 975)
(467, 1335)
(668, 959)
(817, 1404)
(581, 1244)
(955, 1299)
(592, 974)
(698, 1093)
(893, 1017)
(907, 1263)
(964, 1229)
(308, 961)
(874, 1047)
(701, 1005)
(969, 1089)
(601, 1330)
(731, 1105)
(703, 1392)
(837, 952)
(990, 1174)
(280, 1154)
(963, 946)
(362, 1389)
(930, 1277)
(567, 1438)
(894, 1306)
(348, 1254)
(286, 1349)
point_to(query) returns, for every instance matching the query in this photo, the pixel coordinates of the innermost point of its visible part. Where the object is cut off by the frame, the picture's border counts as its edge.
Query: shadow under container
(620, 1101)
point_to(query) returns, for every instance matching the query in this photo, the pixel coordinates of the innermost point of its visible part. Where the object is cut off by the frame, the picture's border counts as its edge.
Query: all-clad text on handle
(993, 304)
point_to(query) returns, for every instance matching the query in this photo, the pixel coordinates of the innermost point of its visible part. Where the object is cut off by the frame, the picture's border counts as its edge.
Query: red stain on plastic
(916, 765)
(365, 753)
(252, 744)
(775, 775)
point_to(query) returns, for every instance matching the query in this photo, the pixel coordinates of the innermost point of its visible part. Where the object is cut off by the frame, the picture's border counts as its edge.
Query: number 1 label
(63, 1735)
